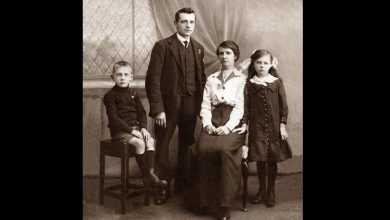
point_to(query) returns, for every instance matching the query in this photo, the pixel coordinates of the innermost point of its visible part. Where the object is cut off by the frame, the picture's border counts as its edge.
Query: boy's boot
(261, 195)
(272, 171)
(140, 159)
(149, 170)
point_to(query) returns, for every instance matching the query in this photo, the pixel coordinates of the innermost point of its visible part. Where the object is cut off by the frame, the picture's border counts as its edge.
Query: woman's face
(262, 65)
(226, 57)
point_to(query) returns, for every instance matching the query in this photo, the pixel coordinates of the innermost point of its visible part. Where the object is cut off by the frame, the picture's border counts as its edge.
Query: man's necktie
(185, 43)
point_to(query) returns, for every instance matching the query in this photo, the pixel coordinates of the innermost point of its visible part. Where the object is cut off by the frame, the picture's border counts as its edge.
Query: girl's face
(226, 56)
(122, 76)
(262, 65)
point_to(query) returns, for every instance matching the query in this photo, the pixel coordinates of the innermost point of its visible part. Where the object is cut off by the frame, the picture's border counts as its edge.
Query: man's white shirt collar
(182, 39)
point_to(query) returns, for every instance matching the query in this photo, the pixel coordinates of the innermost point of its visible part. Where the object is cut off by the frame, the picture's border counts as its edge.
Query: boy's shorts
(124, 135)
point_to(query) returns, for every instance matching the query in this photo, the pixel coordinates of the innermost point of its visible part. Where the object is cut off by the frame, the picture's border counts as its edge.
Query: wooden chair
(245, 171)
(124, 151)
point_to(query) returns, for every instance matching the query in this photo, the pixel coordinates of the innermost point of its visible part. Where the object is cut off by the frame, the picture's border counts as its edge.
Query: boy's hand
(240, 130)
(137, 134)
(145, 134)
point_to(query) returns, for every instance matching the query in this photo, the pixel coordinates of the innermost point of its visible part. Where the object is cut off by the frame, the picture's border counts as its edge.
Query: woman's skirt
(216, 169)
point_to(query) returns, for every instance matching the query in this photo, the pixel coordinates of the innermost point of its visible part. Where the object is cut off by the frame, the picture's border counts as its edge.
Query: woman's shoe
(223, 213)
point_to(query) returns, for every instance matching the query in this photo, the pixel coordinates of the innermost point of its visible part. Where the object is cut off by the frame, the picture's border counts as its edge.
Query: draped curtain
(216, 21)
(275, 25)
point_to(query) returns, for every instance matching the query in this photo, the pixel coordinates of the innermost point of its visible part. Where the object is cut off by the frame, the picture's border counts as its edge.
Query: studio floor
(288, 203)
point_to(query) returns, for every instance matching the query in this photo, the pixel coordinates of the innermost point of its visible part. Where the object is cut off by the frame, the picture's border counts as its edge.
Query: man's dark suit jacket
(165, 77)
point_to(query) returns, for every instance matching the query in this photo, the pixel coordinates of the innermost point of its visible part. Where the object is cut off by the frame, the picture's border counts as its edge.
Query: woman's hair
(231, 45)
(120, 64)
(255, 56)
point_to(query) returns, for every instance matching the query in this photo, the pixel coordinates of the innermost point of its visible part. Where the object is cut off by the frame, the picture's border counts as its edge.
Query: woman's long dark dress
(216, 174)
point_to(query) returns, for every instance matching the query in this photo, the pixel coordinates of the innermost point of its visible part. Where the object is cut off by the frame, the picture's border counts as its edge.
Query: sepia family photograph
(192, 109)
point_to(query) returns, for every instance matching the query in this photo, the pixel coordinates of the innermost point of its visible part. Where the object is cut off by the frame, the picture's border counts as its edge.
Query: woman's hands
(222, 130)
(211, 130)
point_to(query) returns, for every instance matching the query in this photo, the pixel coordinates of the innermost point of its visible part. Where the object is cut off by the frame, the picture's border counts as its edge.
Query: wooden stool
(122, 150)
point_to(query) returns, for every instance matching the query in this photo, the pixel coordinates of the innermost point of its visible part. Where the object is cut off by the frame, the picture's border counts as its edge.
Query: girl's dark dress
(266, 107)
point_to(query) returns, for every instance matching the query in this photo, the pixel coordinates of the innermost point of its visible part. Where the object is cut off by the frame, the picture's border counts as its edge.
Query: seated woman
(217, 154)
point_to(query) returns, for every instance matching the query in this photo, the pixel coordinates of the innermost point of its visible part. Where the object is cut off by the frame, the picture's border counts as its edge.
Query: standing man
(174, 85)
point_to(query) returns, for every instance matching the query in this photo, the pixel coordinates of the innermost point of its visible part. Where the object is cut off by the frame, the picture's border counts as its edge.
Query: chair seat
(114, 147)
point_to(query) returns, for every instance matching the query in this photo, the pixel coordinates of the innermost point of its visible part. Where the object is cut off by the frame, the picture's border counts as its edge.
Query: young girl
(266, 109)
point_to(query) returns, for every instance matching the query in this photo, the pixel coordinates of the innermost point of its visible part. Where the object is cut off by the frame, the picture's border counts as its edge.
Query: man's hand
(161, 119)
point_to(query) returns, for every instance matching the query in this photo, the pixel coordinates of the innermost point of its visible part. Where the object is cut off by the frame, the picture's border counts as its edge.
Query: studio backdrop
(116, 30)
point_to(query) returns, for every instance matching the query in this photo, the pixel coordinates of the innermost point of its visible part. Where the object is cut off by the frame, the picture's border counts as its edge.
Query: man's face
(186, 24)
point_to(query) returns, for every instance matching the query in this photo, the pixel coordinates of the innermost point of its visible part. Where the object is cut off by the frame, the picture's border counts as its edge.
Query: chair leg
(102, 176)
(147, 196)
(245, 171)
(124, 178)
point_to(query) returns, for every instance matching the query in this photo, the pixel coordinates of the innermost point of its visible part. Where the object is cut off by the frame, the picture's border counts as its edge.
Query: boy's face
(186, 24)
(122, 76)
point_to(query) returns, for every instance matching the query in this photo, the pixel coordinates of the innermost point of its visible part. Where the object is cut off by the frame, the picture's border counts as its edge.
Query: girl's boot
(261, 195)
(272, 171)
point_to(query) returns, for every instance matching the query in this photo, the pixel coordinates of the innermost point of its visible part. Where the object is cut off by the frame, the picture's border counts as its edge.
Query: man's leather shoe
(162, 196)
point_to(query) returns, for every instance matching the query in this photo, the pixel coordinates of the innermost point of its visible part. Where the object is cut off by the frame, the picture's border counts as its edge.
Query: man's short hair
(183, 10)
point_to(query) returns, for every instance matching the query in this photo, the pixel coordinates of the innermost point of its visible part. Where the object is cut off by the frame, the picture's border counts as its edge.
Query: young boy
(127, 121)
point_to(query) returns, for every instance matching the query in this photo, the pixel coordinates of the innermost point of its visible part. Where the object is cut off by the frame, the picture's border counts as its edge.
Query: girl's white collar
(263, 80)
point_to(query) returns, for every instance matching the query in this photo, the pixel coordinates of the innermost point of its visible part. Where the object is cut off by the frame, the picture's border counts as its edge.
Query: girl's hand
(222, 130)
(137, 134)
(145, 134)
(283, 132)
(240, 130)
